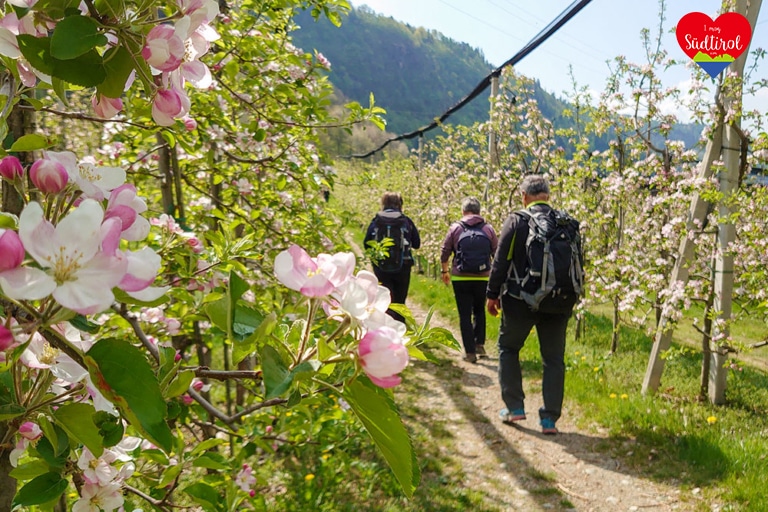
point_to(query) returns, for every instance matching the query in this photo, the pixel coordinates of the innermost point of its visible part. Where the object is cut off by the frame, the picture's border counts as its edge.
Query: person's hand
(493, 306)
(446, 276)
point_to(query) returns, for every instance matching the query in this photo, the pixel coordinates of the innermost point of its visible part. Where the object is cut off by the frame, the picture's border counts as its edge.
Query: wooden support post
(493, 150)
(723, 138)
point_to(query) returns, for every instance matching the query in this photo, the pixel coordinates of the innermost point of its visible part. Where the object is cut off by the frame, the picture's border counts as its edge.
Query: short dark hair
(391, 201)
(535, 184)
(470, 205)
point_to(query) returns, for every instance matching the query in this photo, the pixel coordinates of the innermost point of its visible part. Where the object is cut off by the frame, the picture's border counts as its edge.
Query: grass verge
(669, 437)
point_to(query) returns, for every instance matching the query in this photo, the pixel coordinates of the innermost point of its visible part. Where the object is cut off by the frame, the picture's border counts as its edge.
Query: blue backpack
(473, 249)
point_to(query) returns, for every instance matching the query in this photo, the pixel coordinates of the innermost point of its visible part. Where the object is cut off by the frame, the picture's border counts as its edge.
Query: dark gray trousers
(516, 323)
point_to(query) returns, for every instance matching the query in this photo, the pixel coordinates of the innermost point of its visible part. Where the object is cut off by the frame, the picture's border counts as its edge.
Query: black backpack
(473, 249)
(394, 226)
(553, 280)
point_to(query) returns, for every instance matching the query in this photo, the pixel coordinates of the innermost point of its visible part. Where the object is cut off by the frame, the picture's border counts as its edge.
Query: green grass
(669, 437)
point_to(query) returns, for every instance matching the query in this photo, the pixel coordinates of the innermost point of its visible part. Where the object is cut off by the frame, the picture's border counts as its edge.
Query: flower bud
(189, 123)
(10, 168)
(105, 107)
(6, 338)
(31, 431)
(11, 250)
(49, 177)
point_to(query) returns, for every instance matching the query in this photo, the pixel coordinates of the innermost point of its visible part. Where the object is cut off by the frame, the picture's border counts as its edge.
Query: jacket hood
(472, 219)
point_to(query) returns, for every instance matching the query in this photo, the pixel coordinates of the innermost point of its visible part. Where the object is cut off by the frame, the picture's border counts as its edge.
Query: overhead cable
(534, 43)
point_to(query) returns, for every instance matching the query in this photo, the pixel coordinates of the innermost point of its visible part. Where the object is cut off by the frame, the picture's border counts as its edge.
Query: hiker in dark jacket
(469, 272)
(518, 318)
(398, 278)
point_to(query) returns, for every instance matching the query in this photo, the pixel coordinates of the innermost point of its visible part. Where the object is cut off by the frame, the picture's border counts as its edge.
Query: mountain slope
(414, 73)
(417, 74)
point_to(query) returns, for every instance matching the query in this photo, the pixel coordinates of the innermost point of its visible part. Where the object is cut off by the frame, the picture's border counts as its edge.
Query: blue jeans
(470, 301)
(516, 323)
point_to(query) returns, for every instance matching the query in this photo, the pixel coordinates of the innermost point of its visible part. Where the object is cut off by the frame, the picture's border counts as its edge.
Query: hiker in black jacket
(394, 272)
(518, 317)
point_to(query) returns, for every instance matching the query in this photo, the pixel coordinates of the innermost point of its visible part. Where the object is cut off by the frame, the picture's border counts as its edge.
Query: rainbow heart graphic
(713, 44)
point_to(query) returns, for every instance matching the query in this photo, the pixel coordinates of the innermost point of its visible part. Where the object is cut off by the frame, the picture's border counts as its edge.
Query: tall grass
(669, 437)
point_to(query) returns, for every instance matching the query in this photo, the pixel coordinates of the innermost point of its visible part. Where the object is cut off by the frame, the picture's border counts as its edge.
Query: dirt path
(517, 467)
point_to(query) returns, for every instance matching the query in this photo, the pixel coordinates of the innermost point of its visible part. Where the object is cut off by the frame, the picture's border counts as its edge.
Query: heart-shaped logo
(713, 45)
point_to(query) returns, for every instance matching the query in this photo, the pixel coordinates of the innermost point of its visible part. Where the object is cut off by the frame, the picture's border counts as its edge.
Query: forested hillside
(417, 74)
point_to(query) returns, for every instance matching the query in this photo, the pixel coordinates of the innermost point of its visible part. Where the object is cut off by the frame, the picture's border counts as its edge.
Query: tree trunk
(166, 185)
(7, 484)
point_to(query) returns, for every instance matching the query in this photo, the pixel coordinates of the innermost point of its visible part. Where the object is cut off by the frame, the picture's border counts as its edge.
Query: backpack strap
(512, 272)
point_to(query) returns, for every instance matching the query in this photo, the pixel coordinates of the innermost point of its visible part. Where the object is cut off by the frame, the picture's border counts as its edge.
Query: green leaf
(77, 421)
(42, 489)
(204, 495)
(81, 323)
(10, 411)
(29, 142)
(75, 36)
(48, 452)
(277, 376)
(87, 70)
(245, 322)
(205, 445)
(55, 9)
(169, 476)
(376, 410)
(180, 384)
(60, 88)
(211, 461)
(37, 50)
(121, 296)
(245, 327)
(49, 430)
(110, 428)
(30, 470)
(118, 65)
(440, 336)
(123, 375)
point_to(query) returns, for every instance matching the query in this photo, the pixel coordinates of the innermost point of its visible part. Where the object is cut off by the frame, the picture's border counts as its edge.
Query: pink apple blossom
(11, 250)
(383, 356)
(49, 176)
(98, 470)
(10, 168)
(164, 49)
(125, 204)
(105, 107)
(94, 181)
(169, 105)
(6, 338)
(298, 271)
(189, 123)
(96, 498)
(141, 271)
(30, 431)
(361, 295)
(77, 272)
(245, 479)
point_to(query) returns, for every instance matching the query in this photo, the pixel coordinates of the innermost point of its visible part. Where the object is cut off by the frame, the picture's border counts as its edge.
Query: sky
(598, 33)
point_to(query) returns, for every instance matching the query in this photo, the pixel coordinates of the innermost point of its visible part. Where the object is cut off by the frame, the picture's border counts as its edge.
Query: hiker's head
(391, 201)
(470, 205)
(535, 188)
